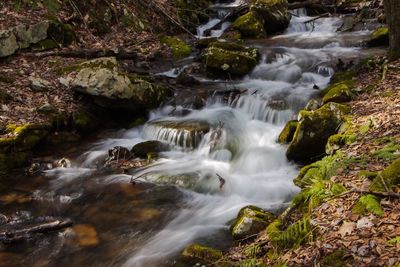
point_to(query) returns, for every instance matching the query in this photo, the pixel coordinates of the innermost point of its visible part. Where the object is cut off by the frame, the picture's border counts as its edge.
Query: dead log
(24, 233)
(89, 53)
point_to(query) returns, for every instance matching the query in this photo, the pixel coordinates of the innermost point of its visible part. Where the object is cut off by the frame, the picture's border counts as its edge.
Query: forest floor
(23, 102)
(339, 237)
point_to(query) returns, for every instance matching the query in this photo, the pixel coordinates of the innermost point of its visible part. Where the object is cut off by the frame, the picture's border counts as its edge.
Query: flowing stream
(148, 224)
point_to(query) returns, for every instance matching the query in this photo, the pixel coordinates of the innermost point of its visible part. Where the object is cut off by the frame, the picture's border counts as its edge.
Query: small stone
(46, 109)
(39, 85)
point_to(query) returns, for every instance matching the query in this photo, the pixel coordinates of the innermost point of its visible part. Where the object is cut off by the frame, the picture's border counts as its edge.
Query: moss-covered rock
(113, 89)
(143, 149)
(286, 136)
(10, 161)
(388, 179)
(312, 104)
(229, 57)
(250, 25)
(274, 13)
(368, 204)
(8, 43)
(380, 37)
(336, 141)
(202, 253)
(178, 47)
(313, 131)
(23, 138)
(84, 122)
(250, 220)
(339, 93)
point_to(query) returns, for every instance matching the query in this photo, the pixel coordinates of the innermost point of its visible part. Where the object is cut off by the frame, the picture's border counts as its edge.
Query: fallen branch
(221, 181)
(235, 13)
(316, 18)
(10, 236)
(88, 53)
(375, 193)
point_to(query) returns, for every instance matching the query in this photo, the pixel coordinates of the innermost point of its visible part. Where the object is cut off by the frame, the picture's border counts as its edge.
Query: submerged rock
(274, 13)
(149, 149)
(250, 25)
(380, 37)
(202, 253)
(112, 89)
(250, 220)
(230, 57)
(313, 131)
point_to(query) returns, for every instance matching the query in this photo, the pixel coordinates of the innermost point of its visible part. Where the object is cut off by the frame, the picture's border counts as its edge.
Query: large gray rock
(31, 34)
(8, 43)
(116, 90)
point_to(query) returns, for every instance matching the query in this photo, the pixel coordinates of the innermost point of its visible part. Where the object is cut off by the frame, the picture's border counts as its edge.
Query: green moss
(367, 174)
(286, 136)
(335, 142)
(337, 258)
(202, 253)
(250, 25)
(24, 137)
(339, 93)
(394, 241)
(313, 131)
(390, 151)
(388, 178)
(344, 77)
(251, 263)
(231, 57)
(178, 47)
(61, 33)
(368, 204)
(250, 220)
(380, 37)
(296, 234)
(323, 169)
(106, 63)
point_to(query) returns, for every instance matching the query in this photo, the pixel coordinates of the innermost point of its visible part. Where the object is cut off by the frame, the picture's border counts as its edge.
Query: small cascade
(187, 134)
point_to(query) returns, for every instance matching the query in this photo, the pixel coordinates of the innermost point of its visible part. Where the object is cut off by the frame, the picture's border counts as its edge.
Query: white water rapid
(294, 66)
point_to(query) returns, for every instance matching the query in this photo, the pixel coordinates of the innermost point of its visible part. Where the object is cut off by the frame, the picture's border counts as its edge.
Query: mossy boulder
(388, 179)
(250, 220)
(113, 89)
(250, 25)
(338, 93)
(380, 37)
(286, 136)
(17, 143)
(335, 142)
(202, 253)
(313, 131)
(179, 48)
(274, 13)
(149, 148)
(84, 122)
(231, 58)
